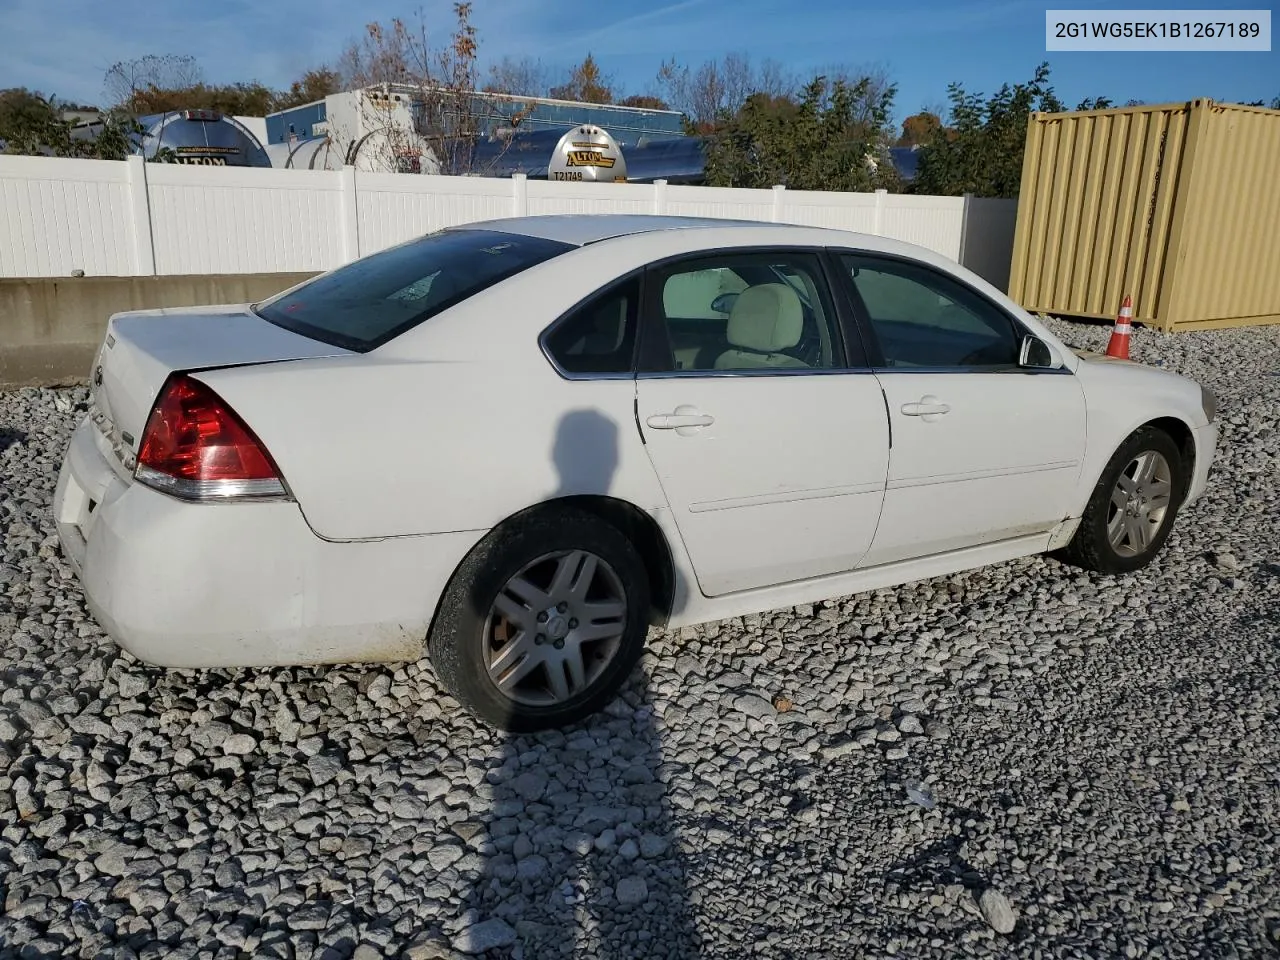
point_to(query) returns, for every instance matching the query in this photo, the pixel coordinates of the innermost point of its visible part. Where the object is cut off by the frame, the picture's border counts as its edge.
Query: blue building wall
(619, 121)
(300, 118)
(679, 160)
(653, 141)
(676, 159)
(496, 113)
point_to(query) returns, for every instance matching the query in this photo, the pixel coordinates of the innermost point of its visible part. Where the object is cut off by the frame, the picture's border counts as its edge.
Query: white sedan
(516, 445)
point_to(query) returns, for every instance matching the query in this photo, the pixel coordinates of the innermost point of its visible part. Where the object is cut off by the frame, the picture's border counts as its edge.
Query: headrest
(766, 318)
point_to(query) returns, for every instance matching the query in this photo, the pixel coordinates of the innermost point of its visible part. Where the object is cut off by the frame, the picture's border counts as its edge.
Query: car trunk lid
(142, 348)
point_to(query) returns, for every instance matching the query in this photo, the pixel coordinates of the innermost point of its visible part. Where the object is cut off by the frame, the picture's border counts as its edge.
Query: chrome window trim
(805, 372)
(835, 290)
(1003, 370)
(763, 372)
(704, 253)
(565, 375)
(829, 371)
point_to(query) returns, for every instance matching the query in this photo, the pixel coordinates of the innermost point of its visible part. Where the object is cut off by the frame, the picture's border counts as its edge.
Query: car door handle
(675, 421)
(926, 407)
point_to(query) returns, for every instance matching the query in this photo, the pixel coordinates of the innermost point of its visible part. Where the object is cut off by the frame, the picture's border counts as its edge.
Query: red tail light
(197, 448)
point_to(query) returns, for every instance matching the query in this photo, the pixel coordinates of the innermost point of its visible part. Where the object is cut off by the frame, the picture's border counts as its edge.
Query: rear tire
(1133, 506)
(543, 622)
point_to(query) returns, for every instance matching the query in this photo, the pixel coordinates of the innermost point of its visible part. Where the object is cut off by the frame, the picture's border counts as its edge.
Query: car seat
(767, 318)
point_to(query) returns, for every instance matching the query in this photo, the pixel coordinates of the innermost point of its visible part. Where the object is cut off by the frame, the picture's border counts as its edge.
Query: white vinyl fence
(130, 218)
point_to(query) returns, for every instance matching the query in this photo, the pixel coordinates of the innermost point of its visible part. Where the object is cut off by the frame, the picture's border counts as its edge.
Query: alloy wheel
(1139, 503)
(554, 628)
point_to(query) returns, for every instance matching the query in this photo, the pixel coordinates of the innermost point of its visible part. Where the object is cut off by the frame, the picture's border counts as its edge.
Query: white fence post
(660, 197)
(519, 194)
(877, 225)
(350, 215)
(777, 202)
(144, 251)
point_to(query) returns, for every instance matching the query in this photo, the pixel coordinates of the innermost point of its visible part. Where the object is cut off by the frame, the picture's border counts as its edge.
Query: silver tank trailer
(588, 154)
(311, 153)
(203, 137)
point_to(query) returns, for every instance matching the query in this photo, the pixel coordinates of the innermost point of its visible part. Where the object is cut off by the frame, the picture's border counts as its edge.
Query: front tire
(543, 621)
(1132, 508)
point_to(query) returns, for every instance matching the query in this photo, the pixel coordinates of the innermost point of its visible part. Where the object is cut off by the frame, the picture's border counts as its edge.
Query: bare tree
(742, 78)
(385, 54)
(523, 77)
(699, 95)
(126, 79)
(645, 101)
(774, 80)
(417, 107)
(718, 88)
(873, 80)
(937, 107)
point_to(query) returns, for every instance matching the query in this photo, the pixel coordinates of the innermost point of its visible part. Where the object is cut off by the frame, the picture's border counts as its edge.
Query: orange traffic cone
(1119, 345)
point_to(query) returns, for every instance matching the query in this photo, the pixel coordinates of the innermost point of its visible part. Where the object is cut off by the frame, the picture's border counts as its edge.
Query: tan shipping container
(1176, 205)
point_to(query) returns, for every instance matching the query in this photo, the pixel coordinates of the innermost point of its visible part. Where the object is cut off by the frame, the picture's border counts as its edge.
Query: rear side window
(372, 300)
(748, 311)
(600, 335)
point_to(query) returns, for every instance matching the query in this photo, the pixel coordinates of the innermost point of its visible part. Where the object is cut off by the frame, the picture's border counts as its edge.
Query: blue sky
(64, 46)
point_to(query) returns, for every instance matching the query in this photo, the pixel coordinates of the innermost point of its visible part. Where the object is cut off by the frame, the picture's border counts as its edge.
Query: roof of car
(581, 229)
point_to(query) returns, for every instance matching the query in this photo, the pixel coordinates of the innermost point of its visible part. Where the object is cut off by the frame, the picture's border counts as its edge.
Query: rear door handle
(674, 421)
(928, 407)
(686, 420)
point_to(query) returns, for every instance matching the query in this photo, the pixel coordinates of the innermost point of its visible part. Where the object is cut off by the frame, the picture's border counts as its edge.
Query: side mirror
(724, 303)
(1035, 353)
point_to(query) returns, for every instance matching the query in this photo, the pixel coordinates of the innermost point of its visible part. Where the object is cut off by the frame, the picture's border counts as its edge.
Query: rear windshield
(372, 300)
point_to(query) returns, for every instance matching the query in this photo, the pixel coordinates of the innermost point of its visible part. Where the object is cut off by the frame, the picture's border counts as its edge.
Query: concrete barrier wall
(50, 329)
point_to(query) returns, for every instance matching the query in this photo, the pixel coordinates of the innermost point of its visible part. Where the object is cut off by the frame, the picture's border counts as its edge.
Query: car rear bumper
(240, 584)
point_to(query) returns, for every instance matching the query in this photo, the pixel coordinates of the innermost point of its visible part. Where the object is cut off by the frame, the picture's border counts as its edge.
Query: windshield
(372, 300)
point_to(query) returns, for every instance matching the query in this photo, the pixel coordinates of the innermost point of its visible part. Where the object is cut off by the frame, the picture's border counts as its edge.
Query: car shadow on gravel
(942, 863)
(10, 437)
(581, 857)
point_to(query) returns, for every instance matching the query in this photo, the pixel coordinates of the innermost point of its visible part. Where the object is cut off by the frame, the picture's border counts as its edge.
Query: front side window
(599, 336)
(745, 312)
(374, 299)
(924, 319)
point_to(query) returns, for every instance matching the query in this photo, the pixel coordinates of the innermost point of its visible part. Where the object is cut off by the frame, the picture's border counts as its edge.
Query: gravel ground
(1021, 761)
